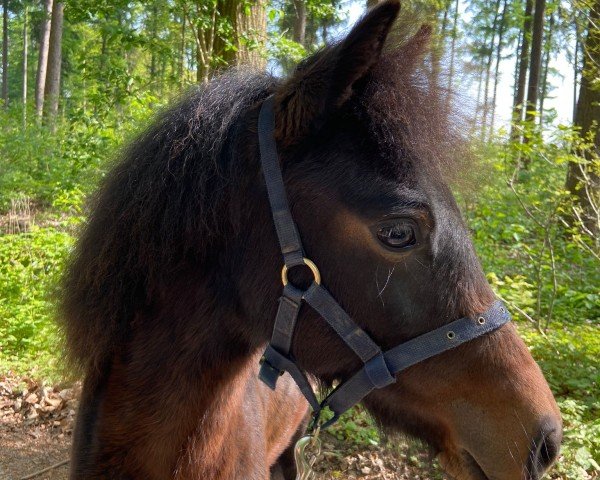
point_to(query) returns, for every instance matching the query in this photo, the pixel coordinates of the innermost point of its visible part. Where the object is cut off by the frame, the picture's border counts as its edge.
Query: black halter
(380, 367)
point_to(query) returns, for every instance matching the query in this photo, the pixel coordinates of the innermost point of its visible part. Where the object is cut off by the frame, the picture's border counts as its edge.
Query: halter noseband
(380, 367)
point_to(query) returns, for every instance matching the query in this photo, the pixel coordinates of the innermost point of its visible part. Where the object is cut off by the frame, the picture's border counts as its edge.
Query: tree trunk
(52, 90)
(445, 19)
(182, 53)
(523, 65)
(299, 30)
(516, 71)
(498, 59)
(488, 71)
(163, 74)
(248, 24)
(204, 51)
(576, 68)
(5, 52)
(438, 44)
(535, 61)
(479, 89)
(154, 39)
(453, 45)
(582, 181)
(40, 79)
(249, 33)
(25, 52)
(372, 3)
(546, 67)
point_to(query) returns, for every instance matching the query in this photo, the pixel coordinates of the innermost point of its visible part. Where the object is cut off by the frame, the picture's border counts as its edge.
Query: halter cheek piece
(380, 367)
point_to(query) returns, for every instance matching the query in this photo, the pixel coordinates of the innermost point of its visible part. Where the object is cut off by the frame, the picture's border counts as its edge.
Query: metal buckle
(306, 452)
(310, 264)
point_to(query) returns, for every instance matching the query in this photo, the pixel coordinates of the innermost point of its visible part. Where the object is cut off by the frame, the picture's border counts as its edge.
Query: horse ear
(327, 80)
(417, 45)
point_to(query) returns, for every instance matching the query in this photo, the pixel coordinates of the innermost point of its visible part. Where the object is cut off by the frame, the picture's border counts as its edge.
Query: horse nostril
(544, 449)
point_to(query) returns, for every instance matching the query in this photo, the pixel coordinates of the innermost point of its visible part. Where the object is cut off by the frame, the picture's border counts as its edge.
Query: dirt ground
(36, 424)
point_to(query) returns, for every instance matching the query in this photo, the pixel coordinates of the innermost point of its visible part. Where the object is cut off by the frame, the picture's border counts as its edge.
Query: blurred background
(80, 77)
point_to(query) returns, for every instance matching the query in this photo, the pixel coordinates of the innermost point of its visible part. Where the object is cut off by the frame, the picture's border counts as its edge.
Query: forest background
(80, 77)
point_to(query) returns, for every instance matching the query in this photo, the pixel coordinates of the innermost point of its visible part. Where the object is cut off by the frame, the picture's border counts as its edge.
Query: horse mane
(163, 207)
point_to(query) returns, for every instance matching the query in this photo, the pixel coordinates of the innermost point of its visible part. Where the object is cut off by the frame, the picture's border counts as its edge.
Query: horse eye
(398, 235)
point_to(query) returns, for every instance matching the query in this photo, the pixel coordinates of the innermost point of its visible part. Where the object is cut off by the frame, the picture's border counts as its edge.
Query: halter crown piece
(380, 368)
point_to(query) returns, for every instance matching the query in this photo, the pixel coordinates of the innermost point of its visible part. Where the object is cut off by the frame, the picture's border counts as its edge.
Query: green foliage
(356, 427)
(48, 167)
(568, 356)
(282, 48)
(550, 272)
(321, 15)
(40, 165)
(30, 265)
(533, 258)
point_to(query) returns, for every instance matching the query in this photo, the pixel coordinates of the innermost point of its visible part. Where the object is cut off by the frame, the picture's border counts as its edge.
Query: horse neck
(198, 321)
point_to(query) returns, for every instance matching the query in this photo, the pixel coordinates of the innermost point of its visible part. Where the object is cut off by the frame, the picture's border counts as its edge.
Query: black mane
(162, 205)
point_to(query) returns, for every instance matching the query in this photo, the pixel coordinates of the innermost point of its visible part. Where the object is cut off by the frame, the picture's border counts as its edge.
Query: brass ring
(310, 264)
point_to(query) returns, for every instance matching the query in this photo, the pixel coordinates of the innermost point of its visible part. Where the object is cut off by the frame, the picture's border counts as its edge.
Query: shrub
(30, 265)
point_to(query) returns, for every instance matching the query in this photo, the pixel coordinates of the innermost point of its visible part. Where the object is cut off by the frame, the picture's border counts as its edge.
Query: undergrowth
(30, 265)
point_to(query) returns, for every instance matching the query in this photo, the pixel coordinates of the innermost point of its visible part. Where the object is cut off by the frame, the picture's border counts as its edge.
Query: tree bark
(535, 61)
(249, 33)
(299, 30)
(205, 40)
(52, 90)
(25, 53)
(5, 52)
(479, 90)
(40, 79)
(582, 180)
(523, 65)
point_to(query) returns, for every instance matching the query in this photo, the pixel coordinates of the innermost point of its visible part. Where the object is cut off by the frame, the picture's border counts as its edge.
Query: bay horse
(171, 293)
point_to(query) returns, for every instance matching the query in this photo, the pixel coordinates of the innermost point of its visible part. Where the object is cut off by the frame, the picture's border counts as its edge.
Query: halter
(379, 368)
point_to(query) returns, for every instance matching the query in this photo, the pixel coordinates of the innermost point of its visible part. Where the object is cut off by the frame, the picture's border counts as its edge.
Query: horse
(170, 296)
